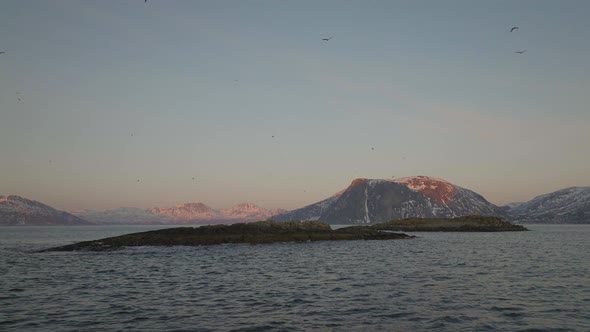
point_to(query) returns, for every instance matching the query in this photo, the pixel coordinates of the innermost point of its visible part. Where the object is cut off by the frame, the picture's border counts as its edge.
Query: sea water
(509, 281)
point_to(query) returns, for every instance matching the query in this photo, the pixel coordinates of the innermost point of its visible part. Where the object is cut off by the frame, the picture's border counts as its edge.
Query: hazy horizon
(96, 95)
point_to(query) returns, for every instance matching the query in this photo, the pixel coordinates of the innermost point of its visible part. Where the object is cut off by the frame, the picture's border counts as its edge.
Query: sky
(116, 91)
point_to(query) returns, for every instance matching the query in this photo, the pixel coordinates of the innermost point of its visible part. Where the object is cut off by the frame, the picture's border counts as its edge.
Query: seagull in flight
(2, 52)
(514, 28)
(327, 39)
(520, 52)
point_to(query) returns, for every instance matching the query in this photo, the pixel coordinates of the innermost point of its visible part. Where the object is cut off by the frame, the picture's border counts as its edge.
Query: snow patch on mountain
(437, 189)
(569, 205)
(16, 210)
(248, 212)
(188, 212)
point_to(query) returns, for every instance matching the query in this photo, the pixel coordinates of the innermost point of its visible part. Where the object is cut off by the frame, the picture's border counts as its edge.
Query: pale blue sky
(433, 86)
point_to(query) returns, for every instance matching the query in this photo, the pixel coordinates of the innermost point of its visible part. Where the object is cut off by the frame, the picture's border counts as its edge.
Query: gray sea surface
(511, 281)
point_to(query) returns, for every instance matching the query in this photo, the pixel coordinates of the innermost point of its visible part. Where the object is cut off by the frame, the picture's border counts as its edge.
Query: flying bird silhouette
(520, 52)
(2, 52)
(327, 39)
(514, 28)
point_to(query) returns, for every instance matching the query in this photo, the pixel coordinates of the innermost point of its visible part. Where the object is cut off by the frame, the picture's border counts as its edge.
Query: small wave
(494, 308)
(258, 328)
(395, 315)
(299, 301)
(544, 330)
(17, 290)
(513, 314)
(447, 319)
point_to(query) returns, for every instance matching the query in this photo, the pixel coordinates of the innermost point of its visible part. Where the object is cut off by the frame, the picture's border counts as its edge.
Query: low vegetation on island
(458, 224)
(253, 233)
(291, 231)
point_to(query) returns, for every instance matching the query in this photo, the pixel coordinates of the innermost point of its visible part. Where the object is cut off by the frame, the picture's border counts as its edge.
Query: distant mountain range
(16, 210)
(123, 216)
(368, 201)
(189, 213)
(364, 201)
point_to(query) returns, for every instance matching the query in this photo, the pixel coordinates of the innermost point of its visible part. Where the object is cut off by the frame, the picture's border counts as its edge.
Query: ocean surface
(516, 281)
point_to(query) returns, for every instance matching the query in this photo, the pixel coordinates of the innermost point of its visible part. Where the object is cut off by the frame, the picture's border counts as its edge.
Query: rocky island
(458, 224)
(252, 233)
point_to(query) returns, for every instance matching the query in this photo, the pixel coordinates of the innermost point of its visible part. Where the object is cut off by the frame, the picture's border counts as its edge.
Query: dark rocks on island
(253, 233)
(459, 224)
(289, 231)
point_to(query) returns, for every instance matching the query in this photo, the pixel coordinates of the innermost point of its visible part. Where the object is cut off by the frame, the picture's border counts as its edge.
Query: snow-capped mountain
(189, 212)
(16, 210)
(368, 201)
(249, 212)
(565, 206)
(123, 216)
(201, 213)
